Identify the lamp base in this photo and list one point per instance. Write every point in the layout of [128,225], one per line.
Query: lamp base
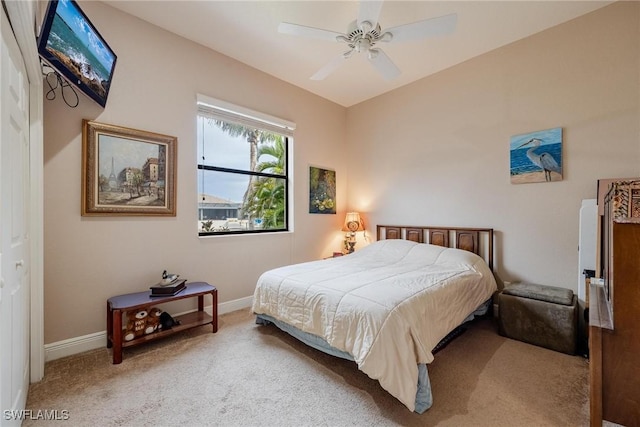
[351,247]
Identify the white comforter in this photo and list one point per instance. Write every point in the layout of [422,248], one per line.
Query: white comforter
[387,305]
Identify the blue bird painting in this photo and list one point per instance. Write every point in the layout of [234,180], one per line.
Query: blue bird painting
[537,157]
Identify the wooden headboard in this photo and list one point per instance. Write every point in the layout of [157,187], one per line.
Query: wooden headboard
[476,240]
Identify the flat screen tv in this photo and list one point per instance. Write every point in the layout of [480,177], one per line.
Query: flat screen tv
[71,44]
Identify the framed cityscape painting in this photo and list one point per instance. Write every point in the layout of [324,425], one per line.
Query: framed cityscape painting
[322,190]
[127,171]
[536,156]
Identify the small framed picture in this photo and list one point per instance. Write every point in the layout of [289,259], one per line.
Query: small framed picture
[322,190]
[127,171]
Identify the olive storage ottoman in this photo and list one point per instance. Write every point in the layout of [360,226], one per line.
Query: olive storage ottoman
[546,316]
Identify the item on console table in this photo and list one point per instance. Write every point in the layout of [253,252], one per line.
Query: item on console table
[168,294]
[167,290]
[168,278]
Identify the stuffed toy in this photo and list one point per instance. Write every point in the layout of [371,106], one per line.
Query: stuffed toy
[153,320]
[167,322]
[136,324]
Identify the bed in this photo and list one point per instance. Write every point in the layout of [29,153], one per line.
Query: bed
[388,305]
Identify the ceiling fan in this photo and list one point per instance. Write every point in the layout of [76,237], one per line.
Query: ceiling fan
[365,32]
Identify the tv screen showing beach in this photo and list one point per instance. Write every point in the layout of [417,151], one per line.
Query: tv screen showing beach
[71,44]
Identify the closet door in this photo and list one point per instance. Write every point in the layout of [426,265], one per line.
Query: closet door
[14,236]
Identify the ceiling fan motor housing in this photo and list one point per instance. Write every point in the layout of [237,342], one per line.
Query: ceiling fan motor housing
[363,37]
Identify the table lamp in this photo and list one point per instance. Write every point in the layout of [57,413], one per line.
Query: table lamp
[352,223]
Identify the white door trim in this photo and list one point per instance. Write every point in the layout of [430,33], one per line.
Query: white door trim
[23,16]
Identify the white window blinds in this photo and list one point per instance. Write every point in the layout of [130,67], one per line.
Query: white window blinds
[226,111]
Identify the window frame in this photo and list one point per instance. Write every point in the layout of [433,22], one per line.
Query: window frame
[208,107]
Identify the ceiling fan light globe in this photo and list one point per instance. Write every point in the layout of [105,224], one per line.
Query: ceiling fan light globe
[386,37]
[362,45]
[366,26]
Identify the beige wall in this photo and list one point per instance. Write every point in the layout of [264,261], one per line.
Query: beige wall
[436,152]
[432,153]
[157,77]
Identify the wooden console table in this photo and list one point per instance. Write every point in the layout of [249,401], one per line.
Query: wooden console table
[118,305]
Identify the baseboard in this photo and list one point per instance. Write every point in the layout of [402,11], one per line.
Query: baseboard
[75,345]
[71,346]
[238,304]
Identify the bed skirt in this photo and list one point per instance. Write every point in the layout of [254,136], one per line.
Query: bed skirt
[424,399]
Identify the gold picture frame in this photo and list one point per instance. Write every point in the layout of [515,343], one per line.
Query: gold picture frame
[127,172]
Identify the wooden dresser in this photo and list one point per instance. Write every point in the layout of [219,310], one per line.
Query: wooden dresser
[614,314]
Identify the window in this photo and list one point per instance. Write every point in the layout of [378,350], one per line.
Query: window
[243,164]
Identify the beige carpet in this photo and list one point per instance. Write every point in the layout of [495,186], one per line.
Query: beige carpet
[250,375]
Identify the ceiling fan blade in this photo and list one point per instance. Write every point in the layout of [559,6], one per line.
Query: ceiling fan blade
[422,29]
[331,66]
[384,64]
[301,30]
[369,10]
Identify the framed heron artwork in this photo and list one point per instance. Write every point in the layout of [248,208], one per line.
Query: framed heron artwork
[536,156]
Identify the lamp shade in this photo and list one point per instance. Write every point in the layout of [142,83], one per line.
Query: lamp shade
[353,222]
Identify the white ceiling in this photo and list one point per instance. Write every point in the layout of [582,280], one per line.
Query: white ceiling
[248,32]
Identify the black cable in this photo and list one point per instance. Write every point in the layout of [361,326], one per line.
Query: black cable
[53,85]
